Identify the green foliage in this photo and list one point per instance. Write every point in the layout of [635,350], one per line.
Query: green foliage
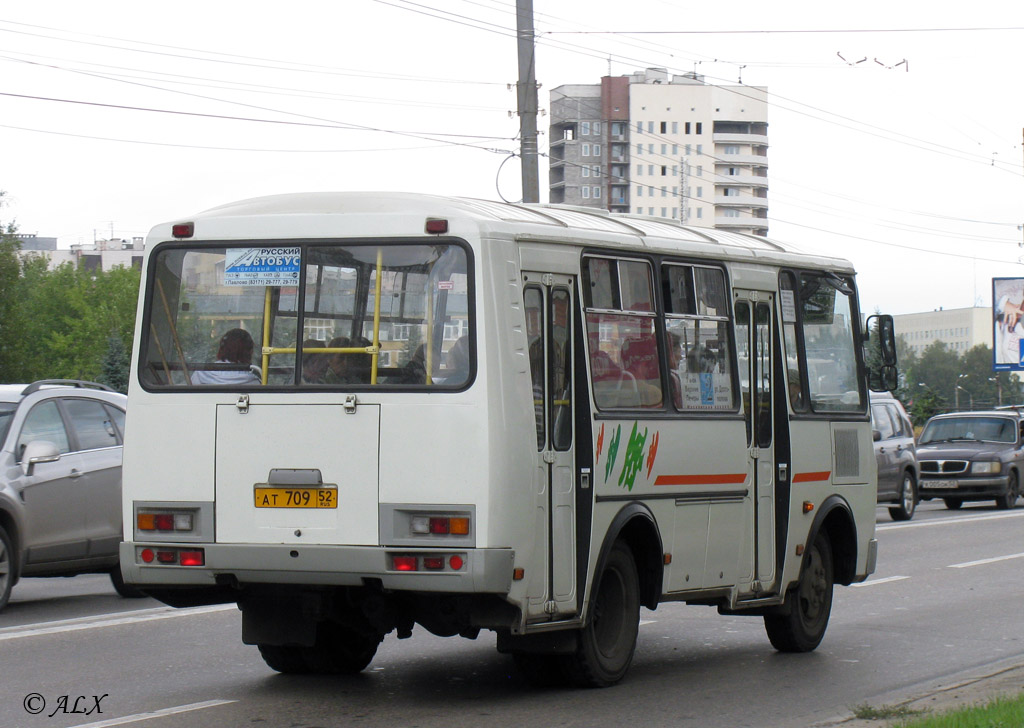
[939,379]
[59,324]
[1004,712]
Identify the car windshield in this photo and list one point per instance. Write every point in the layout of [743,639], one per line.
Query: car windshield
[991,429]
[6,415]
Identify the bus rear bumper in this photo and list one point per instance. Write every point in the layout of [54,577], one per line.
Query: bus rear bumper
[480,571]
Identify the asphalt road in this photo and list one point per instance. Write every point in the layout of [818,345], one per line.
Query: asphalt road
[944,603]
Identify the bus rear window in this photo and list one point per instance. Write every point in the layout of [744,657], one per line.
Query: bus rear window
[304,315]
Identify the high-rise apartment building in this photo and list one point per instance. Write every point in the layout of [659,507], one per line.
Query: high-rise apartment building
[672,147]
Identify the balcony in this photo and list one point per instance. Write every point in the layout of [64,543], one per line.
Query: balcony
[741,201]
[736,138]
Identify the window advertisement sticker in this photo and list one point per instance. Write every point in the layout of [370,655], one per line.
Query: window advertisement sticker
[261,266]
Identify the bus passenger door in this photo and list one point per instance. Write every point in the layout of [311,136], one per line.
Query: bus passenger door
[755,329]
[549,321]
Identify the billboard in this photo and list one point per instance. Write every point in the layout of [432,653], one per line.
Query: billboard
[1007,327]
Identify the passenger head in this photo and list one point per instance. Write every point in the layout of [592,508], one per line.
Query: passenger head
[236,346]
[314,363]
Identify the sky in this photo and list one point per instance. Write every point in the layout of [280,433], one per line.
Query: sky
[895,136]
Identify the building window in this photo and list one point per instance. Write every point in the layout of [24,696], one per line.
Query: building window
[686,128]
[596,170]
[639,148]
[700,212]
[639,170]
[585,150]
[650,211]
[731,192]
[731,149]
[700,171]
[687,150]
[664,192]
[728,212]
[586,192]
[664,148]
[650,149]
[700,192]
[664,127]
[639,190]
[650,127]
[700,149]
[597,127]
[675,149]
[699,125]
[597,150]
[586,171]
[585,128]
[675,170]
[650,169]
[664,170]
[597,193]
[675,128]
[664,212]
[639,127]
[675,191]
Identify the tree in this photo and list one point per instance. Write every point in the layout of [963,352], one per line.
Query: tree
[116,364]
[10,319]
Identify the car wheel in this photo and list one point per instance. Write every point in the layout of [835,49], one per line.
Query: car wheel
[953,504]
[6,567]
[907,503]
[810,603]
[607,642]
[1008,501]
[128,592]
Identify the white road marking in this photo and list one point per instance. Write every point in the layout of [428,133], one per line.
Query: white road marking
[106,620]
[948,521]
[155,714]
[981,562]
[884,580]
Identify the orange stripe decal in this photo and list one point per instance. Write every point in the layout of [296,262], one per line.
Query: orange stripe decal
[709,479]
[812,477]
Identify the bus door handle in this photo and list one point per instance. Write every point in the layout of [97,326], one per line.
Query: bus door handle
[584,478]
[784,472]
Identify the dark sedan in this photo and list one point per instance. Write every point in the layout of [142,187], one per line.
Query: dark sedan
[971,456]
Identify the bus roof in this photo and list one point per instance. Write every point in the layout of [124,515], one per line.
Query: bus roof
[533,221]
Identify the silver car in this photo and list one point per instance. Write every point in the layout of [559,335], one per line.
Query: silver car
[60,481]
[896,455]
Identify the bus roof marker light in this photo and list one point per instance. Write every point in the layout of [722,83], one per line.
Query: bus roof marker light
[183,229]
[436,226]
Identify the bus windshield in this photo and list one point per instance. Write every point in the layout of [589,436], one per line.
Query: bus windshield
[307,315]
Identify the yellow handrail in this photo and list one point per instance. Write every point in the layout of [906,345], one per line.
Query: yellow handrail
[376,318]
[266,337]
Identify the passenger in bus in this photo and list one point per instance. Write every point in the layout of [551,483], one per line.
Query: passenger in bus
[350,368]
[361,363]
[234,361]
[415,370]
[796,394]
[457,360]
[314,363]
[337,366]
[675,361]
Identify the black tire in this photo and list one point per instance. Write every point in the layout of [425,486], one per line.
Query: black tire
[1009,501]
[953,504]
[907,499]
[128,592]
[6,567]
[340,649]
[810,602]
[608,640]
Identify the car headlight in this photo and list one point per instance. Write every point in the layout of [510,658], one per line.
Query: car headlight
[990,468]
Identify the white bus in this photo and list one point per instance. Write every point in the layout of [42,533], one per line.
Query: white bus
[352,413]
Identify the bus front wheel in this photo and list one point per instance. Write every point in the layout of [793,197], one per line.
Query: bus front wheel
[810,603]
[607,642]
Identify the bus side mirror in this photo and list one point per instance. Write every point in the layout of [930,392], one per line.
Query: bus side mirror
[886,331]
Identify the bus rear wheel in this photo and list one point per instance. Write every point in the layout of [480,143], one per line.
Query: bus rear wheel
[340,649]
[607,642]
[810,603]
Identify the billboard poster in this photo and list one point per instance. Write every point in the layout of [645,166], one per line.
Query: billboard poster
[1007,327]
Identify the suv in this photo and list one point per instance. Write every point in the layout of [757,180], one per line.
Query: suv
[972,456]
[60,481]
[895,454]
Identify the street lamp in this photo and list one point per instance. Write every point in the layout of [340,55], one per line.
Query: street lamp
[957,388]
[999,388]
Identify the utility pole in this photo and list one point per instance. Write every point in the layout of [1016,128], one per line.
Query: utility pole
[527,101]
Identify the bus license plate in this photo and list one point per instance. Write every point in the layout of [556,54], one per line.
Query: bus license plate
[296,497]
[939,484]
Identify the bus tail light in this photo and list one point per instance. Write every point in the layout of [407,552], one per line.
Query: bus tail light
[172,556]
[428,562]
[432,525]
[165,521]
[405,563]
